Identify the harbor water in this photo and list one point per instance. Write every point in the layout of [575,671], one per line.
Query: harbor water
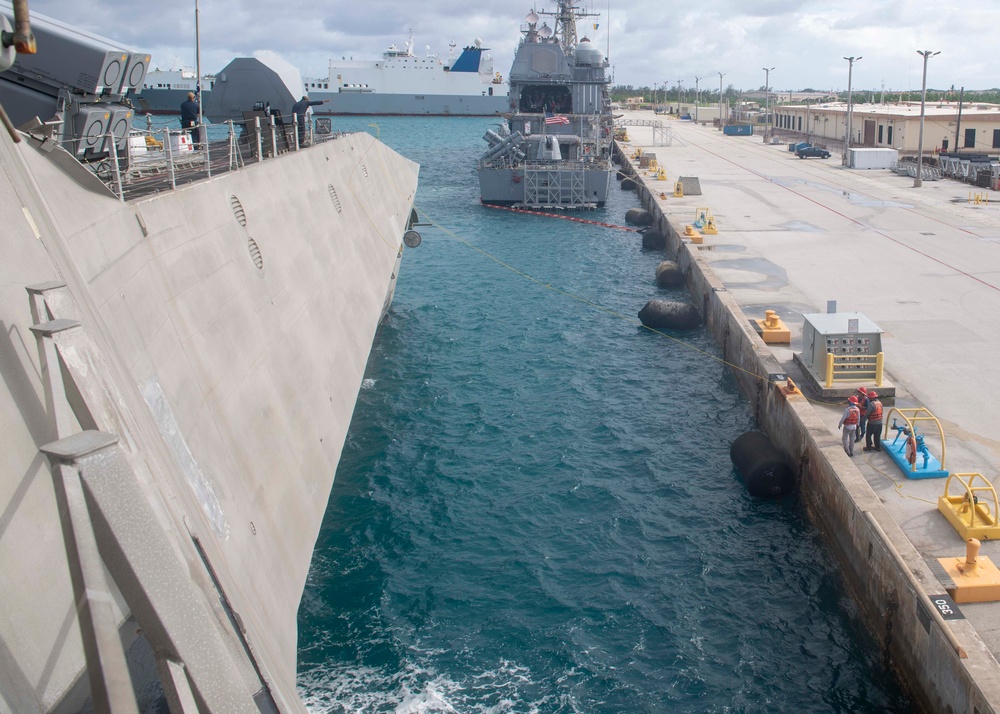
[535,510]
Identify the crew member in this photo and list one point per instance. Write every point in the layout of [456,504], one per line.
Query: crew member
[863,406]
[874,423]
[189,118]
[849,423]
[299,109]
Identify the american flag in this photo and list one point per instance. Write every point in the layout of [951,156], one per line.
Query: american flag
[551,118]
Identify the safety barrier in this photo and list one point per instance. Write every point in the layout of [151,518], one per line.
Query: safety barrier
[854,368]
[154,160]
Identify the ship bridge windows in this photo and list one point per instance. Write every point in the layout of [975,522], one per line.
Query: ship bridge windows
[538,98]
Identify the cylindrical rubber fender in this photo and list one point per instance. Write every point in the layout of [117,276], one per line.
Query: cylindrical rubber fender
[765,472]
[669,314]
[638,217]
[669,275]
[654,240]
[628,184]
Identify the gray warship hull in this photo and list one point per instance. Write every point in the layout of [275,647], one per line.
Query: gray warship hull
[542,187]
[177,377]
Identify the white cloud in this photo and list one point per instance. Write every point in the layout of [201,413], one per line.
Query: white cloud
[652,41]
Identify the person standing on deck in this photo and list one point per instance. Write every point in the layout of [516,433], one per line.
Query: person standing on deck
[189,118]
[299,109]
[874,423]
[849,423]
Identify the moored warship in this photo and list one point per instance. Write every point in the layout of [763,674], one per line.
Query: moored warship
[554,149]
[178,370]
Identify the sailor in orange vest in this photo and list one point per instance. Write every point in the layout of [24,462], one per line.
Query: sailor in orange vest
[863,406]
[874,423]
[849,423]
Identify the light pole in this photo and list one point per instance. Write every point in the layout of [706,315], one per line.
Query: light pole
[850,104]
[697,97]
[767,92]
[918,181]
[679,98]
[721,75]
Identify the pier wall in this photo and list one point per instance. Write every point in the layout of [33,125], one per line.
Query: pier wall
[944,664]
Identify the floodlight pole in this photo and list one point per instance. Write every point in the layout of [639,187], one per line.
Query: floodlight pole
[767,92]
[918,181]
[850,105]
[721,75]
[696,98]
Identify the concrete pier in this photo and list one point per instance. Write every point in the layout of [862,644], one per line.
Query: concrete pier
[923,264]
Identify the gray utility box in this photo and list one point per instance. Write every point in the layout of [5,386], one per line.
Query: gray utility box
[846,335]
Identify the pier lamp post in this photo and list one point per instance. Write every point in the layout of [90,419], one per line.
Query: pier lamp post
[679,98]
[697,97]
[850,104]
[721,75]
[767,94]
[918,181]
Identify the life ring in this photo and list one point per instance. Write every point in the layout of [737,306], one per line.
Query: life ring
[911,450]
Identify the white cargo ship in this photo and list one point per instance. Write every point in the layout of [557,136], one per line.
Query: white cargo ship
[404,83]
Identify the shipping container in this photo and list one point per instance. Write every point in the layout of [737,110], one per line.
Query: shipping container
[871,158]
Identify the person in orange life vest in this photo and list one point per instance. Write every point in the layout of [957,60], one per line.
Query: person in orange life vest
[874,423]
[863,407]
[849,423]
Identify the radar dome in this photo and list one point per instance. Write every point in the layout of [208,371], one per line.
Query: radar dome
[532,18]
[545,31]
[588,54]
[478,42]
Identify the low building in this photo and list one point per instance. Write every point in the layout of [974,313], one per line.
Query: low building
[896,126]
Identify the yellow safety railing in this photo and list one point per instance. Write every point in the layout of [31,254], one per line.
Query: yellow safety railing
[854,368]
[912,416]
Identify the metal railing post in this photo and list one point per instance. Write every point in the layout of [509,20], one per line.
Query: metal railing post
[256,125]
[170,158]
[274,137]
[295,124]
[118,172]
[208,158]
[233,150]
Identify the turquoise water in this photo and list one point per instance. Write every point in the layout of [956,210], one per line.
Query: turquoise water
[535,510]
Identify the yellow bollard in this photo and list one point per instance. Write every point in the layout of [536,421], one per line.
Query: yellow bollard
[661,174]
[678,190]
[773,330]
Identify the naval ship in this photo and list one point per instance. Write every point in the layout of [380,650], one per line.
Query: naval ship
[400,83]
[404,83]
[178,370]
[554,149]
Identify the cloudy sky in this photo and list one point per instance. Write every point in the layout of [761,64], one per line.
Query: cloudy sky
[652,41]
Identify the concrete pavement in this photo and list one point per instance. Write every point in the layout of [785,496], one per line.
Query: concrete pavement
[922,263]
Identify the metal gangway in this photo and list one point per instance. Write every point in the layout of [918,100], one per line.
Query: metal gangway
[662,134]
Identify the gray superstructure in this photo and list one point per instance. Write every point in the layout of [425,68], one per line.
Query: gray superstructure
[177,376]
[554,150]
